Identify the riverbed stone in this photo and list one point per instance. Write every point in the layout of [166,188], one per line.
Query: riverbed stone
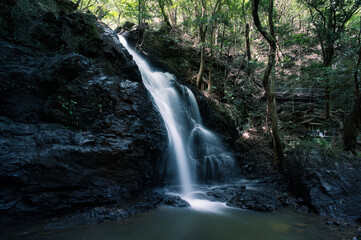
[175,201]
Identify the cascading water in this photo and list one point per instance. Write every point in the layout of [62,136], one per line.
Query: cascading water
[198,152]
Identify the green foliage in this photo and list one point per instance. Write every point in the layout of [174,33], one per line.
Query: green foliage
[301,39]
[68,106]
[322,142]
[228,95]
[330,19]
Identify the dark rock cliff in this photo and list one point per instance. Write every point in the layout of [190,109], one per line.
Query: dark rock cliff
[77,127]
[328,182]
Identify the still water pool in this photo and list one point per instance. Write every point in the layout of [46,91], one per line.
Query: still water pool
[214,222]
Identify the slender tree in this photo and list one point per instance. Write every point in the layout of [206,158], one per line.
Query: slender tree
[201,12]
[248,44]
[357,85]
[141,24]
[267,84]
[161,4]
[214,28]
[352,127]
[353,122]
[358,64]
[202,37]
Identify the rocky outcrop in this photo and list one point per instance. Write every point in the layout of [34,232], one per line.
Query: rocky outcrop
[239,196]
[162,50]
[110,213]
[77,126]
[255,200]
[328,182]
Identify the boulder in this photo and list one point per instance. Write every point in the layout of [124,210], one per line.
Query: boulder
[241,197]
[224,194]
[328,182]
[175,201]
[255,200]
[102,214]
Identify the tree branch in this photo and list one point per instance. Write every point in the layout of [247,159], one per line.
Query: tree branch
[258,24]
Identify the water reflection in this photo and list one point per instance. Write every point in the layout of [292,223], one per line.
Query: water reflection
[167,223]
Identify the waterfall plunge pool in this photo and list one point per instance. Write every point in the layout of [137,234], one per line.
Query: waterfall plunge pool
[168,223]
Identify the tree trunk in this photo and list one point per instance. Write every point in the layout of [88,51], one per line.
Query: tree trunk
[225,84]
[352,127]
[165,16]
[141,27]
[278,149]
[139,12]
[248,50]
[268,86]
[328,51]
[223,32]
[202,36]
[248,45]
[201,66]
[357,86]
[211,60]
[327,63]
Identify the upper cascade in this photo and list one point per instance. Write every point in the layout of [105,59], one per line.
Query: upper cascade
[194,152]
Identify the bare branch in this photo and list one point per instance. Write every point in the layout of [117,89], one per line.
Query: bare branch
[310,4]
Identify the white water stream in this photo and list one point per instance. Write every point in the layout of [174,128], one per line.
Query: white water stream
[198,153]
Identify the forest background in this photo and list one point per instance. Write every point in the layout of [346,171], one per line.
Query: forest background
[286,70]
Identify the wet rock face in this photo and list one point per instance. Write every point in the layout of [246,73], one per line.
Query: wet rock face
[163,51]
[96,215]
[175,201]
[241,197]
[75,130]
[329,184]
[255,200]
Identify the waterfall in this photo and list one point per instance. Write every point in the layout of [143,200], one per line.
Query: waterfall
[198,153]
